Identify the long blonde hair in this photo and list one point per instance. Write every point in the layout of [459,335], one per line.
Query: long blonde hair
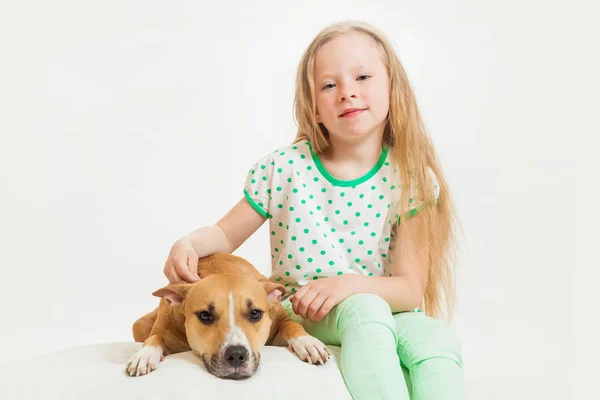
[412,152]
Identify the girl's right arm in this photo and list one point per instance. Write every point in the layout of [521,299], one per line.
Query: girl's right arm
[225,236]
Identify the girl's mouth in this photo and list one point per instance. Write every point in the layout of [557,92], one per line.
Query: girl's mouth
[351,112]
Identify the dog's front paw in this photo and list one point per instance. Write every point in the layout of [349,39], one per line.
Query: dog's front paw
[144,361]
[310,349]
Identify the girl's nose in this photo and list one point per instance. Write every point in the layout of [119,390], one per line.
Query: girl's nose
[347,92]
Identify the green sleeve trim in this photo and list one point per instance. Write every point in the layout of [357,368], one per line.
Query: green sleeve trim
[256,206]
[411,213]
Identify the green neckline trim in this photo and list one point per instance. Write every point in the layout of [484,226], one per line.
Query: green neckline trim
[353,182]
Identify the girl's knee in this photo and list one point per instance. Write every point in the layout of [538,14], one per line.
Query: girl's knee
[425,339]
[365,303]
[365,308]
[445,338]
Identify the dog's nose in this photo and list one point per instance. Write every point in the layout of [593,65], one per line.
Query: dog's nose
[236,355]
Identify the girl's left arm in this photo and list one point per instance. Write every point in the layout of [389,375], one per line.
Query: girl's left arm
[410,265]
[403,291]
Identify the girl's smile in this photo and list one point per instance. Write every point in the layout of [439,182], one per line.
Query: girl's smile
[352,112]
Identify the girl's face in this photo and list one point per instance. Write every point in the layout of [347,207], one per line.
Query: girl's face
[349,74]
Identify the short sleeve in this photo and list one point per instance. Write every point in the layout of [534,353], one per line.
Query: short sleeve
[417,204]
[257,188]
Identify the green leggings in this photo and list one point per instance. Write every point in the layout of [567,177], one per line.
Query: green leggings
[390,356]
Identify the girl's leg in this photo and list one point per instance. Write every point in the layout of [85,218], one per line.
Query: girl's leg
[364,327]
[429,349]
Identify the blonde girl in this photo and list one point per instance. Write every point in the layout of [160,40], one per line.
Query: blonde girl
[360,222]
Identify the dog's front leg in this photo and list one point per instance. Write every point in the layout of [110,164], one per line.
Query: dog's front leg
[148,357]
[307,347]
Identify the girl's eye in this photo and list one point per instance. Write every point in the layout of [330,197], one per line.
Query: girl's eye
[363,77]
[329,86]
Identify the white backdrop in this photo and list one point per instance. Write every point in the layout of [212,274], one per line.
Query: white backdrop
[127,124]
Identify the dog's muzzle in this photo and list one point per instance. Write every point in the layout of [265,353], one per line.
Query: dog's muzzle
[236,363]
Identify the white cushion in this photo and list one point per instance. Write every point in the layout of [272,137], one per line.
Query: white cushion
[98,372]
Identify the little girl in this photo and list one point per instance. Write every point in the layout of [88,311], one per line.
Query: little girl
[360,222]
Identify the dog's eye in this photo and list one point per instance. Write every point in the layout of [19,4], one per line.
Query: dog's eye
[205,317]
[255,315]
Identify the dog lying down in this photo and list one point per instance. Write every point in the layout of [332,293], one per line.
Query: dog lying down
[225,318]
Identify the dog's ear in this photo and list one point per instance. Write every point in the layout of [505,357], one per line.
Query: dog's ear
[175,293]
[274,290]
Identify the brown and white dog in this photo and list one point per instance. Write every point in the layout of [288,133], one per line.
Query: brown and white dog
[225,318]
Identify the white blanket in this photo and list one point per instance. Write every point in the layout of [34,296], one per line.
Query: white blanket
[98,372]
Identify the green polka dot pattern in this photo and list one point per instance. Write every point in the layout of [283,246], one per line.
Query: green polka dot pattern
[320,226]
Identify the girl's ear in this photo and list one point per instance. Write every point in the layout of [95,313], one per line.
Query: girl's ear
[318,117]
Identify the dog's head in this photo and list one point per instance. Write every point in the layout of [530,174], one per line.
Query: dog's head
[227,320]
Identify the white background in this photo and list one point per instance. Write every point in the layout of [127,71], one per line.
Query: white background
[127,124]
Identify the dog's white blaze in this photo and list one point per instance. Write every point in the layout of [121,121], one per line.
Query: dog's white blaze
[236,335]
[231,310]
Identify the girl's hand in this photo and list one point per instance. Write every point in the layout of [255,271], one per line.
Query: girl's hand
[315,299]
[182,263]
